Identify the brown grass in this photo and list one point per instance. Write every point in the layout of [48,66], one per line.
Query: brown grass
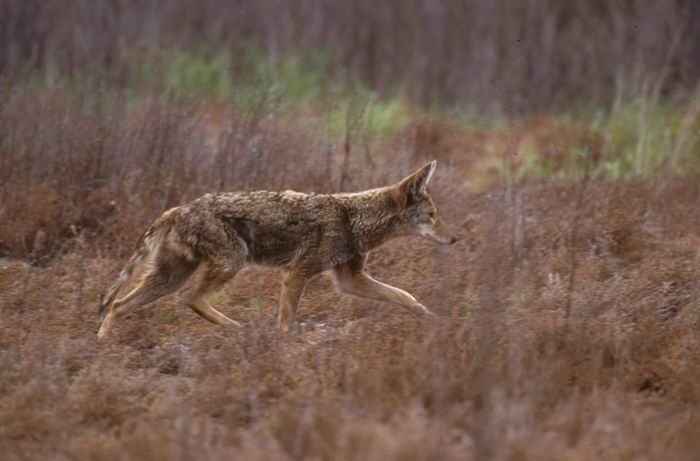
[507,375]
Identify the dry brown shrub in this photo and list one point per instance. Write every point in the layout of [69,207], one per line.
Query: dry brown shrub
[570,315]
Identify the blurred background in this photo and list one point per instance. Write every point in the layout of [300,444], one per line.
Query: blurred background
[498,56]
[567,136]
[535,90]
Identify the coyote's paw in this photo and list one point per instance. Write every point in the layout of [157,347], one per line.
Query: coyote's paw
[428,312]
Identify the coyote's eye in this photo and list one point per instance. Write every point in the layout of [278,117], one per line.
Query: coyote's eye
[431,215]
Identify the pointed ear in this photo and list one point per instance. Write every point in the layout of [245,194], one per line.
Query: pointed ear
[417,183]
[398,198]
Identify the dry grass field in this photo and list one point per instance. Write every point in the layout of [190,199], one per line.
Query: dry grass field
[568,312]
[570,309]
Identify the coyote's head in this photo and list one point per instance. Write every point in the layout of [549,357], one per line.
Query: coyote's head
[417,213]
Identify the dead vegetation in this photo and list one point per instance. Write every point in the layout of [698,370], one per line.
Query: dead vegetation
[570,309]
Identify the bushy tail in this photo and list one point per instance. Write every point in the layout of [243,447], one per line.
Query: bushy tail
[144,248]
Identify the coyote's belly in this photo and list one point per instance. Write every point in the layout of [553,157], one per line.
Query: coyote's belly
[273,243]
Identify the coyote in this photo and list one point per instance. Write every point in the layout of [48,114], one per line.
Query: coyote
[303,234]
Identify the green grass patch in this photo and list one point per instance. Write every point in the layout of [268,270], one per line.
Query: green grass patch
[643,137]
[637,139]
[369,116]
[291,83]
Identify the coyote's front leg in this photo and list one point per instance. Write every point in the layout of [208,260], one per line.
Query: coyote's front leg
[293,285]
[358,283]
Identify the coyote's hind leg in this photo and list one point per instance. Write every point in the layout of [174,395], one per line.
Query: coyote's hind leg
[216,275]
[167,274]
[226,257]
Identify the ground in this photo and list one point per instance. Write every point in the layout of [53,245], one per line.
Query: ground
[569,331]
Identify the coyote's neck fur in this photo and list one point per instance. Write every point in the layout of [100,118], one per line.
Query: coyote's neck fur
[370,224]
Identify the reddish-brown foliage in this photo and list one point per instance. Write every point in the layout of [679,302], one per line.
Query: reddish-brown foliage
[570,311]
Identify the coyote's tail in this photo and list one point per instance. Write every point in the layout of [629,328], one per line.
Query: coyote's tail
[144,248]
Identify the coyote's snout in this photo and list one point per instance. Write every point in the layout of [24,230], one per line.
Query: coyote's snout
[304,234]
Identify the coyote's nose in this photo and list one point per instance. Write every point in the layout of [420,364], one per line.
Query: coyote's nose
[453,239]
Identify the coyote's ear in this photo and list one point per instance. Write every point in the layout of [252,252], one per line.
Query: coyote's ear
[398,198]
[417,183]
